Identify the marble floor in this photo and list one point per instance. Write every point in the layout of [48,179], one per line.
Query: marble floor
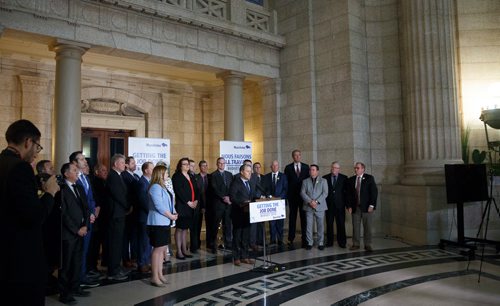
[394,274]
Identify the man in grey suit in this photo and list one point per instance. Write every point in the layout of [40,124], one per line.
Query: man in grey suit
[314,192]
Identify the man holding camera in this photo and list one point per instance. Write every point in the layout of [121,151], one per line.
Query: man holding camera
[23,272]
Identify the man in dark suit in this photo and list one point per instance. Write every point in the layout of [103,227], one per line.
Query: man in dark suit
[221,180]
[336,202]
[276,185]
[257,229]
[295,173]
[118,208]
[361,202]
[131,180]
[75,219]
[23,273]
[143,247]
[241,192]
[78,159]
[203,181]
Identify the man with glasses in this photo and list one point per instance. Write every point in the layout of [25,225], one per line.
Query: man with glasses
[361,202]
[23,274]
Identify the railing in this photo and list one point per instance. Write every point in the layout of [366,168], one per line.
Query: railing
[237,11]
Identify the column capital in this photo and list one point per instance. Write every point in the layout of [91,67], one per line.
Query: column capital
[68,48]
[229,74]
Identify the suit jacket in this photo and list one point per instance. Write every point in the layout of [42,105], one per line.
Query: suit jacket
[294,182]
[89,194]
[368,193]
[117,195]
[160,201]
[22,214]
[182,191]
[142,193]
[74,212]
[205,190]
[318,192]
[132,183]
[240,198]
[336,194]
[281,187]
[220,189]
[100,193]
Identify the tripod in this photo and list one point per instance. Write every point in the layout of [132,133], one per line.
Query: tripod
[486,217]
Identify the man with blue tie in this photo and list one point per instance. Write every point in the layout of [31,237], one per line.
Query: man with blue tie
[276,185]
[78,159]
[242,191]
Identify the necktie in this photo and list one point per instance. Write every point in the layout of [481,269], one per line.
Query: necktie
[273,189]
[223,178]
[334,180]
[248,186]
[85,183]
[136,177]
[274,179]
[358,189]
[76,192]
[297,170]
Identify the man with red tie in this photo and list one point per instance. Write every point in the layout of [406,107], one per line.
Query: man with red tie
[361,202]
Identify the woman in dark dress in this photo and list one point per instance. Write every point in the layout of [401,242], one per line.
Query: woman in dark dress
[186,200]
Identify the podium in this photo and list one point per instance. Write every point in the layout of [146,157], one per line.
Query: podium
[262,210]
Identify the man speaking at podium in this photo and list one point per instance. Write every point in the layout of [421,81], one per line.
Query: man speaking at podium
[241,193]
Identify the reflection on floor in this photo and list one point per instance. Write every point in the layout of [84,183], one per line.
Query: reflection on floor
[394,274]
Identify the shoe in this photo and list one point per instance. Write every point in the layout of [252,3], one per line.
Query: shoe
[165,281]
[280,242]
[213,251]
[321,247]
[166,262]
[160,285]
[290,245]
[81,293]
[118,277]
[342,246]
[254,247]
[180,257]
[354,247]
[248,261]
[237,262]
[94,273]
[188,255]
[89,284]
[221,247]
[368,248]
[145,269]
[308,247]
[68,300]
[329,244]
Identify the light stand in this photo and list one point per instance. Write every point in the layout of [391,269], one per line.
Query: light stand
[491,118]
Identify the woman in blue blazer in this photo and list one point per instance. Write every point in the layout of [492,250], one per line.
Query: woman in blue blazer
[161,214]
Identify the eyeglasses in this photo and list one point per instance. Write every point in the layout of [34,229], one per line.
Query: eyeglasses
[38,146]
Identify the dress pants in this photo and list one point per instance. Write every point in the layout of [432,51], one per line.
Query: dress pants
[94,247]
[223,213]
[256,233]
[241,237]
[195,230]
[85,252]
[144,247]
[337,215]
[367,218]
[295,205]
[116,228]
[319,216]
[130,238]
[210,228]
[69,274]
[276,229]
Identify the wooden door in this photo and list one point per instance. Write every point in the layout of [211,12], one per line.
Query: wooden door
[99,145]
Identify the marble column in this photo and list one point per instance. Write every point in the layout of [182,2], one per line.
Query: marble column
[67,96]
[233,105]
[432,134]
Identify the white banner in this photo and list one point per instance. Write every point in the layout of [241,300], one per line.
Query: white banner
[267,210]
[235,152]
[149,149]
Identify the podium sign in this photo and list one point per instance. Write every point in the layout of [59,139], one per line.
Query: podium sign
[267,210]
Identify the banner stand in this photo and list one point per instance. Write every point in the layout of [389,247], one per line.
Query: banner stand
[255,217]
